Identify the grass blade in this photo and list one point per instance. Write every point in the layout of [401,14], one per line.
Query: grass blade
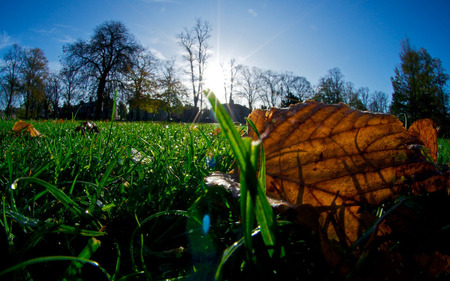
[109,169]
[229,130]
[229,252]
[57,193]
[91,247]
[253,198]
[51,259]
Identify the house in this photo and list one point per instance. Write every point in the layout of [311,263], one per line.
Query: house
[86,110]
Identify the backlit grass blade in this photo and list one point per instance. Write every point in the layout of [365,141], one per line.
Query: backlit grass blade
[57,193]
[113,114]
[253,199]
[264,213]
[247,200]
[229,252]
[263,206]
[146,220]
[205,137]
[241,150]
[75,266]
[109,169]
[228,129]
[76,230]
[52,259]
[119,254]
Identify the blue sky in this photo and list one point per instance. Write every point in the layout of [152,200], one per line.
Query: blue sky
[305,37]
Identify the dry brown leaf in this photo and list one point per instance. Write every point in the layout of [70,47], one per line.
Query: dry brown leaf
[336,159]
[21,127]
[435,263]
[424,130]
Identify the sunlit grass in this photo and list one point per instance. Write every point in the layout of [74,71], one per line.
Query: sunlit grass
[68,187]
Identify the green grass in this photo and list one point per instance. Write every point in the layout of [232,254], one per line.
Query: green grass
[135,187]
[443,157]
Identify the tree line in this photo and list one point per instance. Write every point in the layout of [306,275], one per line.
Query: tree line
[112,59]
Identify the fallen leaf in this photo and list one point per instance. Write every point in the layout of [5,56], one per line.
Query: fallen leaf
[436,263]
[216,132]
[424,130]
[228,181]
[24,128]
[87,127]
[338,159]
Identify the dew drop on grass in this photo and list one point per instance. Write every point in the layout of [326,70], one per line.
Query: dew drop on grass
[14,185]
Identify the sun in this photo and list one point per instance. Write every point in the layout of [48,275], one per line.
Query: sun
[214,80]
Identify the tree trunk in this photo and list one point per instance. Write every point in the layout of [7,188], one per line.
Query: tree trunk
[195,101]
[100,98]
[193,83]
[27,105]
[8,105]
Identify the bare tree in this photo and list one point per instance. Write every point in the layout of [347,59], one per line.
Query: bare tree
[351,97]
[10,76]
[194,42]
[53,92]
[249,83]
[298,86]
[187,42]
[364,95]
[378,102]
[108,53]
[229,85]
[73,85]
[271,88]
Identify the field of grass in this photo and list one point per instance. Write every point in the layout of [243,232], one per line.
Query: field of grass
[130,203]
[131,183]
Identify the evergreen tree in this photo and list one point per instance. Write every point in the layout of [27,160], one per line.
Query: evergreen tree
[289,99]
[420,87]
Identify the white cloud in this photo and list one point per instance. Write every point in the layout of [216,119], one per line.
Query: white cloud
[66,39]
[159,1]
[46,32]
[5,40]
[65,26]
[157,54]
[252,12]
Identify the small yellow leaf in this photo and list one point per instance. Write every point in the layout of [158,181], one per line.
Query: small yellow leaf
[21,127]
